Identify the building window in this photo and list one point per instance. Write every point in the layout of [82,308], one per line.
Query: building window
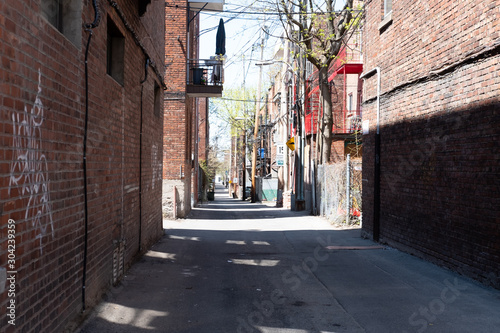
[157,100]
[387,7]
[386,17]
[349,102]
[115,52]
[66,17]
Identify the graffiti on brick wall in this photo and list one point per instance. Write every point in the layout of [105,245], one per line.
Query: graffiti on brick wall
[29,169]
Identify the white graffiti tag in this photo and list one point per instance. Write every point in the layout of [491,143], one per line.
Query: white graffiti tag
[29,170]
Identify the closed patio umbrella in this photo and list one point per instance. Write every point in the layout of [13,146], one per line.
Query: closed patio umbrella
[220,40]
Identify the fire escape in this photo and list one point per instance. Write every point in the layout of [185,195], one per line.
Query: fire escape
[346,88]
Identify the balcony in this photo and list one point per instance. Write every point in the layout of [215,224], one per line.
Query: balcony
[344,74]
[213,5]
[205,78]
[347,122]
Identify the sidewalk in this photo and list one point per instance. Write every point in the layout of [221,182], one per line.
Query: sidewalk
[234,266]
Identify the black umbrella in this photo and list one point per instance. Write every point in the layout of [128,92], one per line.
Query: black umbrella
[220,40]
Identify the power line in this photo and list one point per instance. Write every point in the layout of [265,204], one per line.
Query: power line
[226,11]
[241,100]
[263,12]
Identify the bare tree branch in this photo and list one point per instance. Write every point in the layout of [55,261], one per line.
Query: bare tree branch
[321,32]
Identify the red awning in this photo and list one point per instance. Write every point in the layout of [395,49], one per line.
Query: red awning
[350,69]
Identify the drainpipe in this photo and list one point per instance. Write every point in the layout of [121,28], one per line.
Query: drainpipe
[376,184]
[140,153]
[88,28]
[196,150]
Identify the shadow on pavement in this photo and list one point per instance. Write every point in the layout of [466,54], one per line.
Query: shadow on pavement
[234,266]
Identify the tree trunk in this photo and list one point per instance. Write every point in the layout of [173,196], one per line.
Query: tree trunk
[326,124]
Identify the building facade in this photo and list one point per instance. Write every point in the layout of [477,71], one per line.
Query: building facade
[81,124]
[430,161]
[190,82]
[180,110]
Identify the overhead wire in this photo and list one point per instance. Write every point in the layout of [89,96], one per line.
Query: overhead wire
[263,11]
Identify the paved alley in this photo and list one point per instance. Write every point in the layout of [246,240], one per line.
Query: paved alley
[235,266]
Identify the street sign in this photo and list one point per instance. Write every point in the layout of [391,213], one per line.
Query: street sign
[291,143]
[280,154]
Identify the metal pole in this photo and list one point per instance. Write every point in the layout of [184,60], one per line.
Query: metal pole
[303,133]
[229,177]
[243,196]
[256,129]
[348,188]
[284,111]
[376,176]
[244,180]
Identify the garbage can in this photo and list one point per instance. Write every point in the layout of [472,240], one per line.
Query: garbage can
[197,75]
[211,192]
[210,196]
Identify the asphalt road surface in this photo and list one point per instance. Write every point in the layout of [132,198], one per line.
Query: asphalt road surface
[239,267]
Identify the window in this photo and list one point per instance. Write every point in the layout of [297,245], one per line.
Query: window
[115,52]
[387,7]
[66,17]
[157,100]
[349,102]
[386,17]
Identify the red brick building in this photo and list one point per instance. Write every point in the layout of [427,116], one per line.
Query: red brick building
[346,91]
[80,165]
[346,88]
[186,106]
[435,191]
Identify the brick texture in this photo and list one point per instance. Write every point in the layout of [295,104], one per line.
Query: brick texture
[42,112]
[439,131]
[180,109]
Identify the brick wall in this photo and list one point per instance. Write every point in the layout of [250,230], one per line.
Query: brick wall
[201,133]
[180,111]
[439,132]
[42,112]
[203,129]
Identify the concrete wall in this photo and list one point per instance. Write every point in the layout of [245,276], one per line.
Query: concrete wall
[42,117]
[181,200]
[439,132]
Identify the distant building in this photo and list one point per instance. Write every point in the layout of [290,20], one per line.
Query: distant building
[293,110]
[346,90]
[76,232]
[431,175]
[190,81]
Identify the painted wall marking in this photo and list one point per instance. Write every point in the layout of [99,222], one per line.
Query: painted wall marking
[29,168]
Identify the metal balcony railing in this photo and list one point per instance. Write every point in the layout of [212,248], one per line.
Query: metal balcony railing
[349,122]
[206,72]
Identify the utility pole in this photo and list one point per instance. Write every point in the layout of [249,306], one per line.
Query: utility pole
[256,129]
[244,180]
[299,180]
[284,111]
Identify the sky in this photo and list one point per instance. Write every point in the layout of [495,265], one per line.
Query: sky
[243,34]
[242,37]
